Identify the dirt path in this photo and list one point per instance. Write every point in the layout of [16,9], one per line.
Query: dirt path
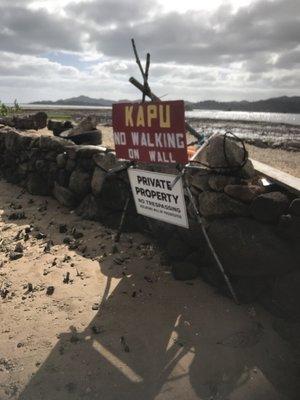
[122,328]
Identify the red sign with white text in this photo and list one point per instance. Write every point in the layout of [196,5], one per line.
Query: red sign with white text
[151,132]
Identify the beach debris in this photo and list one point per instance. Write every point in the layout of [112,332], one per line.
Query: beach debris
[124,344]
[13,255]
[66,278]
[17,215]
[48,246]
[62,228]
[49,290]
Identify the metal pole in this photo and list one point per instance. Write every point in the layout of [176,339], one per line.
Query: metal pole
[219,264]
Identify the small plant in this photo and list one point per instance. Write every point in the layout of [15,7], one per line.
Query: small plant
[6,111]
[3,110]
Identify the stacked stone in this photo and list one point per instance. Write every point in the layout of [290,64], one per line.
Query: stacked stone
[255,232]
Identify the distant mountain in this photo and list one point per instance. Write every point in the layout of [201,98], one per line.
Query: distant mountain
[77,101]
[282,104]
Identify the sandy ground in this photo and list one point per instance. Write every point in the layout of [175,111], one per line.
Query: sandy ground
[287,161]
[122,328]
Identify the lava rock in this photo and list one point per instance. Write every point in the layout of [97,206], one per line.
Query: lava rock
[249,248]
[212,204]
[176,249]
[61,160]
[50,290]
[80,183]
[268,207]
[244,193]
[62,228]
[97,181]
[37,184]
[294,208]
[218,182]
[64,196]
[200,181]
[184,271]
[223,154]
[105,161]
[13,255]
[88,208]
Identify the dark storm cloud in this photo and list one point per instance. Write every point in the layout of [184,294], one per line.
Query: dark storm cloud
[27,31]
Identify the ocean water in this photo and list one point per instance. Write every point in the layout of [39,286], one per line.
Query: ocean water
[293,119]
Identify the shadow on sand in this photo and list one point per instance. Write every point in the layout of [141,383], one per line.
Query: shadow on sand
[163,339]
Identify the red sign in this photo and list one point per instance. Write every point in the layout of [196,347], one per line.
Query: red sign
[151,132]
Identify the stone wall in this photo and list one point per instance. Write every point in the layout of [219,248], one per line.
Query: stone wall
[255,231]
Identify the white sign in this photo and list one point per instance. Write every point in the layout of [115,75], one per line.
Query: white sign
[155,198]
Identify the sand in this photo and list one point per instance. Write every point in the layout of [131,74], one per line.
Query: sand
[122,328]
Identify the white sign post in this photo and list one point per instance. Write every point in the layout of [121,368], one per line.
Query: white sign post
[155,198]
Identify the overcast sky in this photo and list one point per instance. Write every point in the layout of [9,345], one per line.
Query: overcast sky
[210,49]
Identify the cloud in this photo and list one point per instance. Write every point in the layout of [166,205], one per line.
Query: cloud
[27,31]
[83,46]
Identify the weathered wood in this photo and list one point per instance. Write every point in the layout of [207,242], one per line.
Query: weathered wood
[153,97]
[290,182]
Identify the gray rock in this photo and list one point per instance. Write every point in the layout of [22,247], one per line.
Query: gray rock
[53,143]
[64,196]
[295,207]
[70,165]
[61,160]
[286,296]
[248,248]
[218,182]
[88,208]
[176,249]
[57,127]
[268,207]
[213,154]
[212,204]
[105,160]
[184,271]
[245,193]
[200,181]
[37,184]
[97,181]
[80,183]
[289,227]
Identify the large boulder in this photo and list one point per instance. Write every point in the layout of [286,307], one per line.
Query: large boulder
[212,204]
[284,297]
[80,183]
[57,127]
[88,208]
[105,161]
[218,182]
[225,154]
[184,271]
[295,207]
[244,193]
[35,121]
[64,196]
[269,206]
[289,227]
[200,181]
[249,248]
[37,184]
[97,181]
